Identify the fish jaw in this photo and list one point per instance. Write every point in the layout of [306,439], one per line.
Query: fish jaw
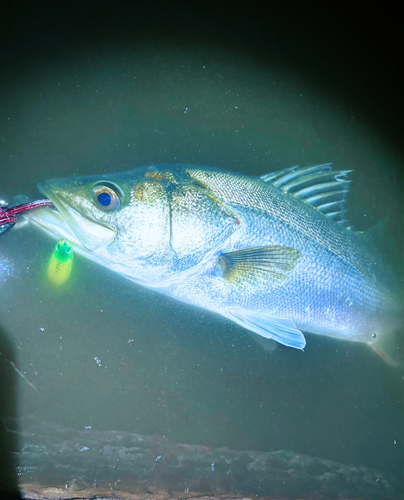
[66,222]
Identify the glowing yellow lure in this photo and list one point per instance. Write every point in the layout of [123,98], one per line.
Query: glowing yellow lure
[60,263]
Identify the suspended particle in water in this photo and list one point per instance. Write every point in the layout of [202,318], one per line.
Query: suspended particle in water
[6,268]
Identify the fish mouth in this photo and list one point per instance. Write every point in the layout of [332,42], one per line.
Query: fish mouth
[63,221]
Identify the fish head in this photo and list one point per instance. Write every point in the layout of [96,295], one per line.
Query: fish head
[152,225]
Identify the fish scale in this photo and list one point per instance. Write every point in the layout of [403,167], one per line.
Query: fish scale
[271,254]
[252,193]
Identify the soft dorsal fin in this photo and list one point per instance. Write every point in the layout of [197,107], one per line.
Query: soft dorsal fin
[319,186]
[382,238]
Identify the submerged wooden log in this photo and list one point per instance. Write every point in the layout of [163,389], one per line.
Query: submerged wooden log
[82,464]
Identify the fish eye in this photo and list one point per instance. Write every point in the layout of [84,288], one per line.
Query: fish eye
[106,197]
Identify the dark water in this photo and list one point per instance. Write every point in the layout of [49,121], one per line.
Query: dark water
[105,363]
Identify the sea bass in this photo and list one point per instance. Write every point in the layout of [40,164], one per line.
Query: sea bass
[272,253]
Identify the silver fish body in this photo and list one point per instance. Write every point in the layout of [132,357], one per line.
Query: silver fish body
[272,254]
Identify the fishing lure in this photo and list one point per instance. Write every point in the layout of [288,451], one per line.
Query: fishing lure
[60,263]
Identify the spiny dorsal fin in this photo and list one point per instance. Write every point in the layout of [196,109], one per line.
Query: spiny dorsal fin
[319,186]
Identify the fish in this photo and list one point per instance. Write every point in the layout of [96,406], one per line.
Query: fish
[60,263]
[273,254]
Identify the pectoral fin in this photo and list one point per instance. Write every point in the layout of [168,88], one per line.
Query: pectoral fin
[282,330]
[258,266]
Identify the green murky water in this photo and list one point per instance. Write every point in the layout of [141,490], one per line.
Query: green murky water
[103,354]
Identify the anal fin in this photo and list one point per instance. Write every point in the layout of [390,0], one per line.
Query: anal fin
[390,349]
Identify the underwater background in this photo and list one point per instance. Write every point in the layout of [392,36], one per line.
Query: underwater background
[108,386]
